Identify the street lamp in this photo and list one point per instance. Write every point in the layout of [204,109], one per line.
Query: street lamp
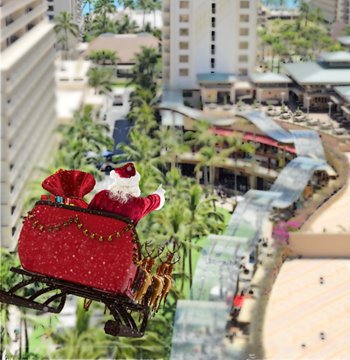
[308,104]
[282,96]
[330,108]
[258,95]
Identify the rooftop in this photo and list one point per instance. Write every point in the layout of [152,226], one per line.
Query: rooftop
[307,314]
[314,74]
[335,56]
[344,40]
[216,78]
[344,92]
[72,69]
[269,77]
[125,45]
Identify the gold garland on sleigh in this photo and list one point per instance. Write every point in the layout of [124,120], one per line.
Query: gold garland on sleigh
[75,220]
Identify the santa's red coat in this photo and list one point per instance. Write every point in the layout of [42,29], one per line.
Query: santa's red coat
[134,209]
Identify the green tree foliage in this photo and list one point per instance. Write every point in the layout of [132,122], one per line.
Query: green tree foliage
[102,8]
[101,79]
[104,57]
[126,25]
[64,27]
[346,30]
[146,70]
[83,135]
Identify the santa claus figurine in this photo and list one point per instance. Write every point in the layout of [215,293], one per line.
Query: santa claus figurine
[123,196]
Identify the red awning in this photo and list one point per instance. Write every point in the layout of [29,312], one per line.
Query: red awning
[255,138]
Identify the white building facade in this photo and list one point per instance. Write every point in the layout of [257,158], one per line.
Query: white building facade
[334,10]
[27,104]
[73,7]
[207,37]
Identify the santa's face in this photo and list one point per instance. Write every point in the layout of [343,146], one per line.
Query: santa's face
[124,192]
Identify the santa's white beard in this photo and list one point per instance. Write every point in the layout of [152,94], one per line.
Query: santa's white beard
[124,193]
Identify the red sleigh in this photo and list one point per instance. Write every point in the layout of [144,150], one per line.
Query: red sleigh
[87,253]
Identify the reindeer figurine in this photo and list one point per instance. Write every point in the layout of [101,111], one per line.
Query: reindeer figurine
[146,265]
[166,269]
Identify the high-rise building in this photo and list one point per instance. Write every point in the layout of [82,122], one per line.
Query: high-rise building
[334,10]
[73,7]
[204,37]
[27,104]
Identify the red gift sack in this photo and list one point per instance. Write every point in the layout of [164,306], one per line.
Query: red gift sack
[83,246]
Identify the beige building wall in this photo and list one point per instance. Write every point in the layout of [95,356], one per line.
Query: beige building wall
[207,36]
[27,104]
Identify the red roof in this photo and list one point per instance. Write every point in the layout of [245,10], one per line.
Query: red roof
[256,138]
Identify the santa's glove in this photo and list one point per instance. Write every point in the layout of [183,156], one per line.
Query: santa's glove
[160,192]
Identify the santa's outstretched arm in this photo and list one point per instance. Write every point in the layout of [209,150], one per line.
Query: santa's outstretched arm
[160,192]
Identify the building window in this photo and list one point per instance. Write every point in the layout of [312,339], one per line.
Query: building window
[187,93]
[51,17]
[184,4]
[212,22]
[243,58]
[243,45]
[50,8]
[183,72]
[183,58]
[8,20]
[13,230]
[244,18]
[212,63]
[213,8]
[183,32]
[243,71]
[213,36]
[244,31]
[183,45]
[244,4]
[213,49]
[13,208]
[184,18]
[12,187]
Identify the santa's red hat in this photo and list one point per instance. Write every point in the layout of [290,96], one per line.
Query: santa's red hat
[126,175]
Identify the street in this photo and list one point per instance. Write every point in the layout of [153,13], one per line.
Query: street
[116,117]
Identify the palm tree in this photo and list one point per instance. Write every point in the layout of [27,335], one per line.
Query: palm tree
[101,79]
[172,145]
[346,30]
[127,4]
[202,221]
[102,8]
[64,27]
[104,57]
[126,26]
[145,71]
[140,96]
[305,10]
[144,118]
[199,138]
[79,137]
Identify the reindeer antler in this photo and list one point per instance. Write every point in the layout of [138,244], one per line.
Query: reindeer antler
[149,253]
